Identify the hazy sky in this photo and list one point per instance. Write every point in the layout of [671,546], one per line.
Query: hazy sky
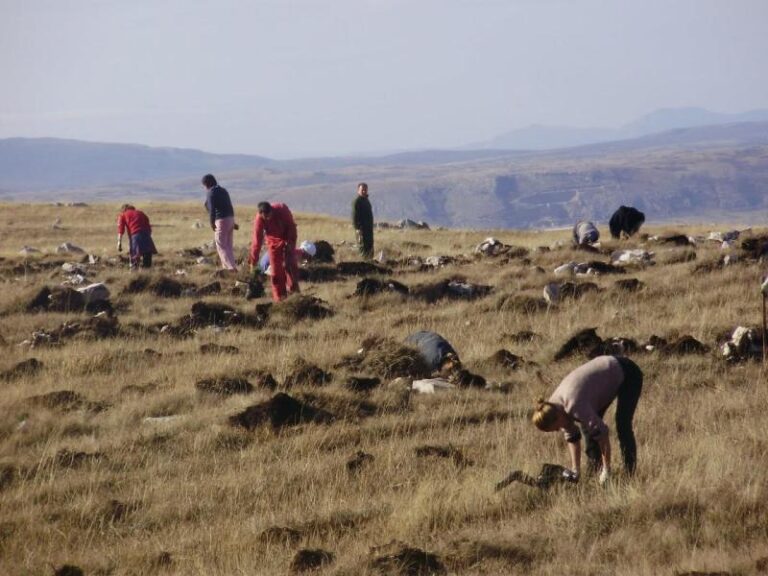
[285,78]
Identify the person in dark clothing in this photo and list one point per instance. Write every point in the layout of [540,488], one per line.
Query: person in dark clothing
[626,220]
[585,233]
[582,397]
[136,223]
[362,220]
[436,350]
[222,218]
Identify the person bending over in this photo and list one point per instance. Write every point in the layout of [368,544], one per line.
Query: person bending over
[582,398]
[136,223]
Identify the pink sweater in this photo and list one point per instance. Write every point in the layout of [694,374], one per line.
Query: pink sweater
[586,392]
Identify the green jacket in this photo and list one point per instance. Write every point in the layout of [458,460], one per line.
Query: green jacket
[362,214]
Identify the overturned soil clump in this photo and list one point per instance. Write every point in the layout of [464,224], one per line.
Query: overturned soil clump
[361,383]
[549,476]
[279,535]
[387,359]
[64,400]
[280,411]
[629,285]
[27,367]
[467,553]
[224,386]
[310,559]
[580,343]
[213,348]
[358,461]
[443,452]
[307,374]
[371,286]
[399,559]
[504,359]
[300,307]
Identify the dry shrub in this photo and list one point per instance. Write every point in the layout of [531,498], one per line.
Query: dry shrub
[387,359]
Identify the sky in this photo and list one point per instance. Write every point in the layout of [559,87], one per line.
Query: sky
[293,78]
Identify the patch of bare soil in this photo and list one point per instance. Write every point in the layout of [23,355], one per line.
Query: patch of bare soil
[308,559]
[279,411]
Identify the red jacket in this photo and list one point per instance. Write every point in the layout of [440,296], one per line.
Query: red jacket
[135,221]
[279,230]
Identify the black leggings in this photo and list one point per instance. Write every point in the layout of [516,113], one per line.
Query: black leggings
[626,403]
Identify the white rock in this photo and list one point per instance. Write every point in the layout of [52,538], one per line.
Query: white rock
[27,250]
[95,292]
[69,248]
[552,293]
[71,267]
[432,385]
[565,269]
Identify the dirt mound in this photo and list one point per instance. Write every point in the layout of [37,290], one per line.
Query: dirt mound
[361,269]
[388,359]
[467,553]
[549,476]
[205,314]
[685,345]
[261,379]
[279,535]
[576,290]
[522,337]
[371,286]
[68,570]
[310,559]
[28,367]
[675,239]
[443,452]
[504,359]
[213,348]
[280,411]
[755,247]
[456,288]
[463,378]
[66,300]
[604,268]
[521,303]
[324,252]
[69,459]
[64,400]
[629,285]
[162,287]
[299,307]
[224,386]
[361,383]
[356,462]
[305,373]
[581,342]
[399,559]
[318,273]
[97,327]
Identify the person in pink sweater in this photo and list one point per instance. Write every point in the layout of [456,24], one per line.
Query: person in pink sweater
[582,398]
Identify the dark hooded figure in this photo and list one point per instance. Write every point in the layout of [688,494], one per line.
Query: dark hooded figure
[627,220]
[362,220]
[436,350]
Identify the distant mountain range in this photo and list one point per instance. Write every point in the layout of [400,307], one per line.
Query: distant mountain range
[703,171]
[538,137]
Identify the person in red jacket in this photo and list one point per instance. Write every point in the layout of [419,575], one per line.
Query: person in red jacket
[139,235]
[275,223]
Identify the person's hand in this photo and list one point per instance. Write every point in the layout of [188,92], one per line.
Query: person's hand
[237,226]
[571,476]
[119,246]
[605,476]
[213,227]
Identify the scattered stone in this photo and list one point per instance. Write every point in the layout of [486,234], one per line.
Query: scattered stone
[224,386]
[28,251]
[356,462]
[212,348]
[310,559]
[432,385]
[280,411]
[408,224]
[398,559]
[306,374]
[69,248]
[744,343]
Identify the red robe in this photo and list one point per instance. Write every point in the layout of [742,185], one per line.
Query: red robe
[280,234]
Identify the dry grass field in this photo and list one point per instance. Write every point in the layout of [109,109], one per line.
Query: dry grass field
[139,472]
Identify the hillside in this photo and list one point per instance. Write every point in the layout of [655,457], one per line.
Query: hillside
[706,172]
[148,439]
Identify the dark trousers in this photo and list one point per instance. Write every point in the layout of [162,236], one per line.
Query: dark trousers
[365,239]
[626,403]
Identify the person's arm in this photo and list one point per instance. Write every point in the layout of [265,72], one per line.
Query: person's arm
[356,213]
[256,240]
[574,449]
[605,450]
[211,208]
[120,232]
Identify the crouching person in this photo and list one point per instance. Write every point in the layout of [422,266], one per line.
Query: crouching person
[139,236]
[582,397]
[585,233]
[442,359]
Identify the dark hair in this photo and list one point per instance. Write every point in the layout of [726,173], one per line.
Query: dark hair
[125,207]
[364,186]
[209,181]
[264,207]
